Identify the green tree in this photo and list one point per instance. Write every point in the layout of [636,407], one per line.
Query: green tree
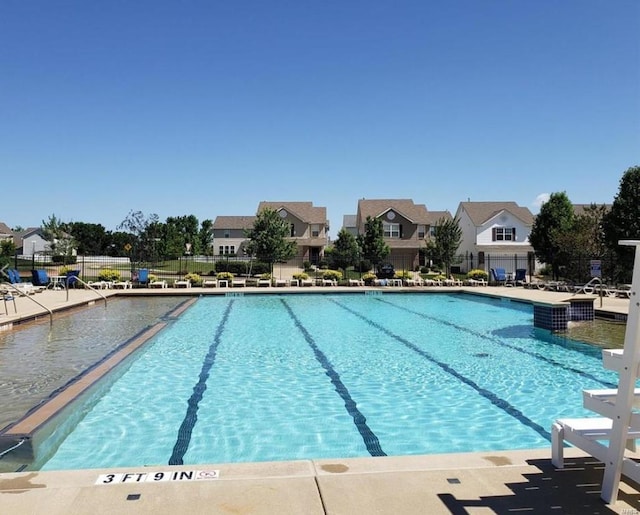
[622,222]
[584,242]
[7,252]
[345,251]
[554,220]
[268,239]
[182,235]
[142,230]
[60,241]
[91,238]
[371,243]
[205,237]
[443,247]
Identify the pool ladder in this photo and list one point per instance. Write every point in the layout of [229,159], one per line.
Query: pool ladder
[234,294]
[373,293]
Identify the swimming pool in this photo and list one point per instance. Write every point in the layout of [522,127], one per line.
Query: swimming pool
[278,377]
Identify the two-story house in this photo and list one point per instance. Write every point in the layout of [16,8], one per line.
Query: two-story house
[308,227]
[229,234]
[495,234]
[405,224]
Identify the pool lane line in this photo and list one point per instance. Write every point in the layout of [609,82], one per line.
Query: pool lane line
[368,436]
[498,341]
[191,416]
[494,399]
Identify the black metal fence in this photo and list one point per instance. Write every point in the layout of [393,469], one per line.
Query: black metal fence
[90,267]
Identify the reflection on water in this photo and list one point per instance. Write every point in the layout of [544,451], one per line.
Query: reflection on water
[603,333]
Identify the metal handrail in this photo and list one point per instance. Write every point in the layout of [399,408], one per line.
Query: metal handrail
[26,294]
[87,285]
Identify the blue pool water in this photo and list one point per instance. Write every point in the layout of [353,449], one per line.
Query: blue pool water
[259,378]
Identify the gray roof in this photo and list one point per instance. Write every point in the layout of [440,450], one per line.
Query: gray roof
[349,221]
[234,222]
[579,209]
[482,212]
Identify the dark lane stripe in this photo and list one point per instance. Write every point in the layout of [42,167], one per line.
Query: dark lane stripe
[503,343]
[370,439]
[190,418]
[487,394]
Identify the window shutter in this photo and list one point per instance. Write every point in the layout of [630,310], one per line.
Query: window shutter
[401,230]
[513,233]
[493,234]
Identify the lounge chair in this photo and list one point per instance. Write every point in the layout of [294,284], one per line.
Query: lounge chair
[158,283]
[329,282]
[520,276]
[209,283]
[356,282]
[306,282]
[452,281]
[432,282]
[182,283]
[122,285]
[40,278]
[280,282]
[238,283]
[475,282]
[264,282]
[499,276]
[72,278]
[141,277]
[24,287]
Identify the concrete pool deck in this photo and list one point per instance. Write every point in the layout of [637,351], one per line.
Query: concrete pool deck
[487,482]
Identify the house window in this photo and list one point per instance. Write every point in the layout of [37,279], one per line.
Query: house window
[227,233]
[421,232]
[504,234]
[432,231]
[391,230]
[226,249]
[315,230]
[293,230]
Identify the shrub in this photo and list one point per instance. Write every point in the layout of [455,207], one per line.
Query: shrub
[195,279]
[107,274]
[153,277]
[225,276]
[301,275]
[306,265]
[369,278]
[265,276]
[403,274]
[477,274]
[332,275]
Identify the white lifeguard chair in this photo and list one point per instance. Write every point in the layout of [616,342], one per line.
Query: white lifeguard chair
[609,437]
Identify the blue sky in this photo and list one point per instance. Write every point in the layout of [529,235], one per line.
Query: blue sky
[206,107]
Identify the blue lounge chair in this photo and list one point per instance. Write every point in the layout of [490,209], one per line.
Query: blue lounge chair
[25,288]
[499,275]
[72,278]
[141,277]
[40,278]
[520,277]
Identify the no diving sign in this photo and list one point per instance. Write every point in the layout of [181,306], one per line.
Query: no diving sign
[157,476]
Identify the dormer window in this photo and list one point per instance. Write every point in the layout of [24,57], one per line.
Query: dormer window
[315,230]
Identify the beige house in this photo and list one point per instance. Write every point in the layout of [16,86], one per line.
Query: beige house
[308,227]
[406,227]
[229,236]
